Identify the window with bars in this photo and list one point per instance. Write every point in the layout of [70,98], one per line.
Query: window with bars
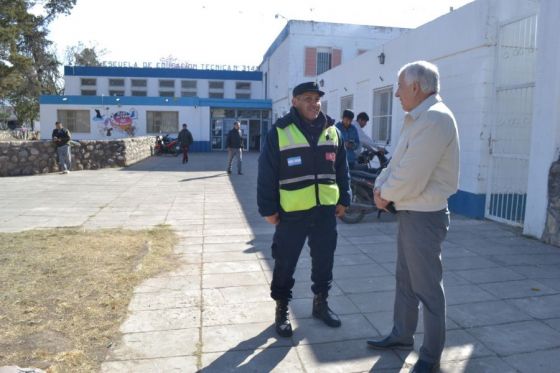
[138,83]
[382,114]
[319,60]
[167,88]
[167,84]
[89,92]
[346,103]
[243,86]
[162,121]
[188,88]
[323,60]
[88,81]
[77,121]
[216,89]
[243,90]
[215,85]
[116,82]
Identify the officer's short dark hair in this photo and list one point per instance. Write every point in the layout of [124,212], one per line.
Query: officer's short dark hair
[363,116]
[348,114]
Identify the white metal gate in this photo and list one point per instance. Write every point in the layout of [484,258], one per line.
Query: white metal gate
[511,131]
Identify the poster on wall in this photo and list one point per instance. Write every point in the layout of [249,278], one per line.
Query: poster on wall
[115,123]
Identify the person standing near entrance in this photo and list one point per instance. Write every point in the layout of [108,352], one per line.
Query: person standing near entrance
[234,145]
[302,186]
[349,136]
[422,174]
[185,139]
[61,137]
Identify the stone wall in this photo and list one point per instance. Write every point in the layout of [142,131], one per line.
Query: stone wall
[39,157]
[5,135]
[551,233]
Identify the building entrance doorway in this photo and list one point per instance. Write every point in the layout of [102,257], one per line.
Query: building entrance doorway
[254,139]
[252,124]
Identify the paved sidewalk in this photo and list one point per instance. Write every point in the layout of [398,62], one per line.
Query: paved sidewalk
[214,312]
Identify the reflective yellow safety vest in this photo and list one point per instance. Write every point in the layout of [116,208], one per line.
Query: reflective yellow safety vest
[307,173]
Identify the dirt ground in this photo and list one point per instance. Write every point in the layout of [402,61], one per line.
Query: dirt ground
[65,292]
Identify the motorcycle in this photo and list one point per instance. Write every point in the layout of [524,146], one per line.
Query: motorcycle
[362,182]
[167,145]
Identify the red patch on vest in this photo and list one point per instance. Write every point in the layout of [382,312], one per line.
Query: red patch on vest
[330,156]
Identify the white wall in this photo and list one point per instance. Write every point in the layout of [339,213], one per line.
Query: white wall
[278,68]
[197,118]
[285,67]
[72,86]
[545,137]
[198,121]
[463,45]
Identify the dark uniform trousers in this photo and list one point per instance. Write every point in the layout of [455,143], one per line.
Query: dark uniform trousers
[318,225]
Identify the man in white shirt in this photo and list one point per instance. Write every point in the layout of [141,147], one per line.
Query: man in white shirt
[422,174]
[361,121]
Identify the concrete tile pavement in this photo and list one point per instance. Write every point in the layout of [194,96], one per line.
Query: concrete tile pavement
[213,312]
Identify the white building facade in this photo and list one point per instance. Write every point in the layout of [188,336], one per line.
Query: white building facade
[500,76]
[116,102]
[305,49]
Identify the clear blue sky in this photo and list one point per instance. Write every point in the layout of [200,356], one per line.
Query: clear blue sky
[218,31]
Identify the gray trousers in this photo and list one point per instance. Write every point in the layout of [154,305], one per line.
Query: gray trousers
[419,279]
[64,157]
[232,153]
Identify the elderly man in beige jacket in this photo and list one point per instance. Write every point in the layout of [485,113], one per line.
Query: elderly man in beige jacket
[422,174]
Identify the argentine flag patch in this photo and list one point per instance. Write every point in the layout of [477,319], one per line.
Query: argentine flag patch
[294,161]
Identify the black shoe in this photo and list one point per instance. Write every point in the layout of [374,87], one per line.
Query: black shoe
[282,322]
[389,343]
[322,311]
[422,366]
[240,173]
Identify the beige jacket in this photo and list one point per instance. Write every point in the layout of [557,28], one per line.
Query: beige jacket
[424,170]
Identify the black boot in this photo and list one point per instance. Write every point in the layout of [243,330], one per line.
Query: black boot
[283,326]
[322,311]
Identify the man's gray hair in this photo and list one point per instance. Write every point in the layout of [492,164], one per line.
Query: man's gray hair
[423,72]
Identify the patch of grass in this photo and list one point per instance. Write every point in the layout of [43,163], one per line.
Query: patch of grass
[65,292]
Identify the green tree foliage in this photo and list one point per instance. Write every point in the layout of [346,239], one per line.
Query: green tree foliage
[83,55]
[28,64]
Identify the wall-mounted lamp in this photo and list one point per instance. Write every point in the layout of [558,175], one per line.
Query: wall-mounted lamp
[65,99]
[278,15]
[381,58]
[166,100]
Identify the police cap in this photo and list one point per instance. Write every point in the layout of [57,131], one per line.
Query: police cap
[307,87]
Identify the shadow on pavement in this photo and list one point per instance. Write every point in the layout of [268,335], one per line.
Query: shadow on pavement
[495,315]
[203,162]
[249,356]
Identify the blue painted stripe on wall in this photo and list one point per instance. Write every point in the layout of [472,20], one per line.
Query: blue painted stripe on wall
[151,72]
[468,204]
[155,101]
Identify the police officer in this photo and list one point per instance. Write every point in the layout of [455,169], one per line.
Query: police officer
[303,185]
